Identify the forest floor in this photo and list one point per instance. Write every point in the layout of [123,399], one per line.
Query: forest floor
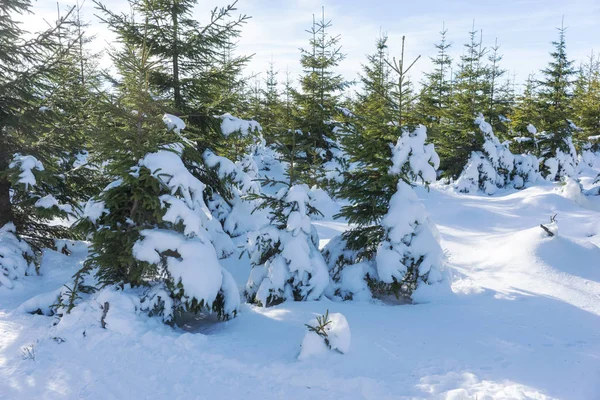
[522,322]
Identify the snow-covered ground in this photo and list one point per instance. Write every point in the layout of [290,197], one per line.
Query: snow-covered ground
[523,322]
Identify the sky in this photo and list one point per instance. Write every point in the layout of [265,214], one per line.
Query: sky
[277,29]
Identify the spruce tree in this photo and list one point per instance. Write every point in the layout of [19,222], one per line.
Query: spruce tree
[556,111]
[74,91]
[288,143]
[469,97]
[499,93]
[370,130]
[33,188]
[285,256]
[524,119]
[586,101]
[434,98]
[197,72]
[151,225]
[271,116]
[318,99]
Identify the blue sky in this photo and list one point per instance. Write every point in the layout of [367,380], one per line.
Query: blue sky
[524,28]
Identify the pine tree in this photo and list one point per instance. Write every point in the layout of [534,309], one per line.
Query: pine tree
[318,99]
[434,98]
[33,190]
[586,101]
[470,94]
[404,251]
[370,130]
[556,112]
[524,119]
[271,106]
[198,72]
[499,93]
[402,94]
[151,224]
[285,256]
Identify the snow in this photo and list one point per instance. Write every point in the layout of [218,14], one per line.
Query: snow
[231,124]
[312,345]
[50,201]
[26,164]
[174,123]
[520,322]
[413,156]
[186,202]
[200,280]
[94,209]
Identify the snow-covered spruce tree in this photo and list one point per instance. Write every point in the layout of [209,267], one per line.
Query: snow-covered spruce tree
[285,256]
[150,227]
[401,249]
[494,166]
[556,150]
[234,211]
[369,186]
[488,169]
[381,108]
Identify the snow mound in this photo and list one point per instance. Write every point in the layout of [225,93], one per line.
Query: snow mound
[42,303]
[110,309]
[573,256]
[335,336]
[573,189]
